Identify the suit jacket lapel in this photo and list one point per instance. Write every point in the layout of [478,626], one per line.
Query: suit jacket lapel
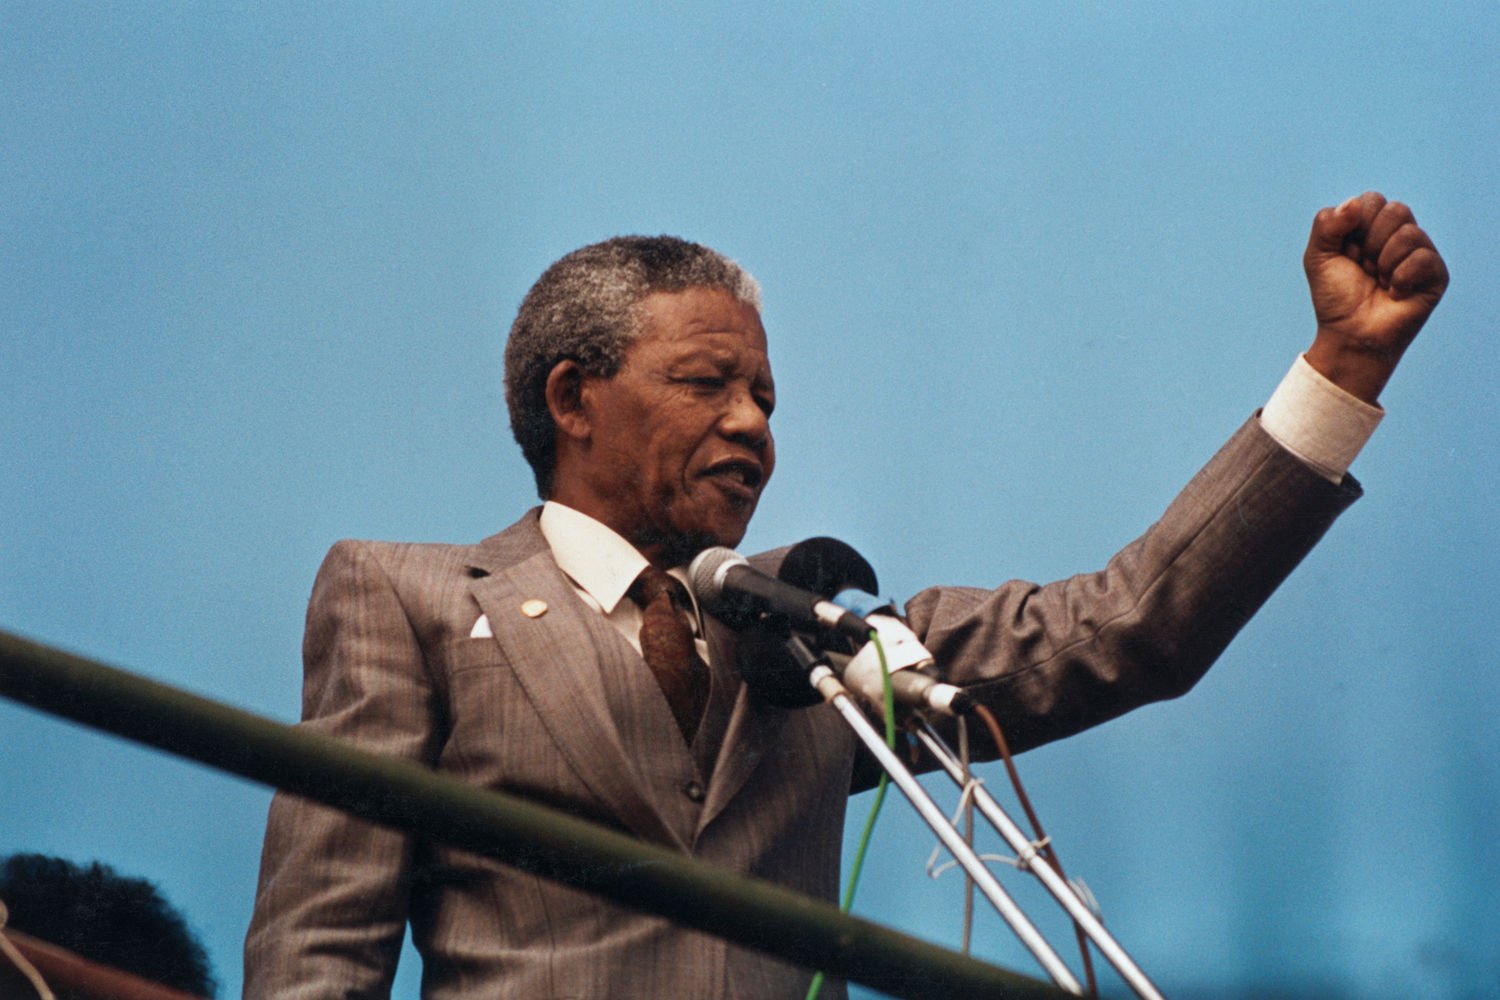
[558,657]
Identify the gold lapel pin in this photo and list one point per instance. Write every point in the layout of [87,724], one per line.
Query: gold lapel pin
[533,608]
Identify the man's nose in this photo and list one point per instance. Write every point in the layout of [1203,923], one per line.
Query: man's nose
[745,421]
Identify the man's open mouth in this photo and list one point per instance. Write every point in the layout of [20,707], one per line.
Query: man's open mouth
[742,472]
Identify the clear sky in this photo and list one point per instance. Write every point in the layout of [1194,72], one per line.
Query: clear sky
[1025,267]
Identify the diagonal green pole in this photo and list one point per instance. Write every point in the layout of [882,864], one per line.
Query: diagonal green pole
[403,794]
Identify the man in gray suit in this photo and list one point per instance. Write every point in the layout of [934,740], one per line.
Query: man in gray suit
[640,390]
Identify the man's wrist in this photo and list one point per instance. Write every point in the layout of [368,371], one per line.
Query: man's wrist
[1362,373]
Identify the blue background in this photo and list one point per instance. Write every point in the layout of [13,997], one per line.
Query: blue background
[1025,268]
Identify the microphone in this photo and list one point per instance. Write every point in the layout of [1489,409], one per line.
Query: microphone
[733,590]
[843,572]
[906,660]
[907,665]
[762,655]
[829,567]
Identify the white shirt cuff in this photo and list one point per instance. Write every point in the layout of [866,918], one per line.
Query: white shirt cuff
[1318,422]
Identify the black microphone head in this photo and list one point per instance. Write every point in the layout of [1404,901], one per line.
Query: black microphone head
[824,566]
[827,566]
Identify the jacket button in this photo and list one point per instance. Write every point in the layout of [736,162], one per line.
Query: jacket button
[693,790]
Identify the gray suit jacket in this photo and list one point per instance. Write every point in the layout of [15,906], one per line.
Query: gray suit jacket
[560,708]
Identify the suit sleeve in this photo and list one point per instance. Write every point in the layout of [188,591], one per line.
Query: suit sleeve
[331,907]
[1053,660]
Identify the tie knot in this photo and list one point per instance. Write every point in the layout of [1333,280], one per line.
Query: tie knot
[653,584]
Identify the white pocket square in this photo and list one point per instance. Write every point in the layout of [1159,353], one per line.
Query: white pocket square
[481,629]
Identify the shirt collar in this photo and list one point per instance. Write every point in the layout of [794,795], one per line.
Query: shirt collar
[594,557]
[600,562]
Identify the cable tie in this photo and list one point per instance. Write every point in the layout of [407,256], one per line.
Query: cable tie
[1033,851]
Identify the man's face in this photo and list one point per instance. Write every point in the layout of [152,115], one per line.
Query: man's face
[679,438]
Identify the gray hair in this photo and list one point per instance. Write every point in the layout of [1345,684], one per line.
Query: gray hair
[584,308]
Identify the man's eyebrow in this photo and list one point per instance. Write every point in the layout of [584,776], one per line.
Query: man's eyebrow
[717,360]
[720,357]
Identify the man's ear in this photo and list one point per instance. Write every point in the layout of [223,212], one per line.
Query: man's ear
[565,399]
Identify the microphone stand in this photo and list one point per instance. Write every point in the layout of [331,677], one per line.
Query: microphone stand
[827,684]
[1030,860]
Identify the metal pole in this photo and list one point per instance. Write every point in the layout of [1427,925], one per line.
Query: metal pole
[1031,860]
[403,794]
[829,686]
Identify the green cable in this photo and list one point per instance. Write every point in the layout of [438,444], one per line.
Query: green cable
[885,780]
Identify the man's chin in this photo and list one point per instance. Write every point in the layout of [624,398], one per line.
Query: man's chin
[681,549]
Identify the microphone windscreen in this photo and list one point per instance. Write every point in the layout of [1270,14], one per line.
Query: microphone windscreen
[827,566]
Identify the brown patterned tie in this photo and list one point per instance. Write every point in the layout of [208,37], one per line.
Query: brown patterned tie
[667,645]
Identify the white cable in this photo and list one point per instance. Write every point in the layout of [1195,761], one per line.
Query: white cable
[965,802]
[937,848]
[19,960]
[1087,895]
